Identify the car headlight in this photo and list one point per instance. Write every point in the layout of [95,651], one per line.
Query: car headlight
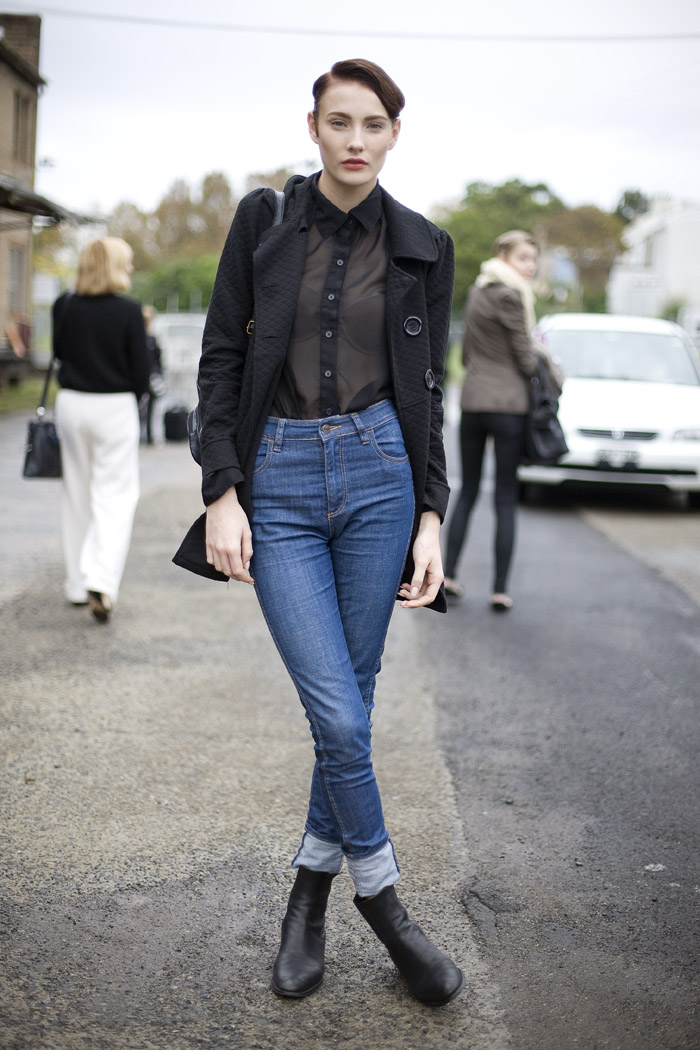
[687,435]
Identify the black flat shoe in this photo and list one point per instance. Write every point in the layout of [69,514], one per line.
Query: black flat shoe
[501,603]
[100,606]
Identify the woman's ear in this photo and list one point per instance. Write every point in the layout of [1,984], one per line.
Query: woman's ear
[313,130]
[396,128]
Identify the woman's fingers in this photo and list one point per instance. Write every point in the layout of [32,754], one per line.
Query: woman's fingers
[229,540]
[427,560]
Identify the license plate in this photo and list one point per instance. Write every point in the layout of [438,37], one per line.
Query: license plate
[618,457]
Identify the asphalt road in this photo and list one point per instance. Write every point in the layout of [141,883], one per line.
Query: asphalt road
[539,772]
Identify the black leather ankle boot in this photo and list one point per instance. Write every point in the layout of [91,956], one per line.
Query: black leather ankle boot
[298,967]
[429,974]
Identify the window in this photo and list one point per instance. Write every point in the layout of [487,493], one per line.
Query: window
[18,280]
[21,139]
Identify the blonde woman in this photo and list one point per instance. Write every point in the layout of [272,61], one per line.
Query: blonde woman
[100,344]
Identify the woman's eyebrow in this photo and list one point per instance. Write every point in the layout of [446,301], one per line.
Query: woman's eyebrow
[348,116]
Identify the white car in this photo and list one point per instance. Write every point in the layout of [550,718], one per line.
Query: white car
[630,408]
[180,339]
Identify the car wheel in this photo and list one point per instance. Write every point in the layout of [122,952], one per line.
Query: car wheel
[694,501]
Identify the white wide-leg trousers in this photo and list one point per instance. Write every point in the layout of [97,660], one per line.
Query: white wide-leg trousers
[100,452]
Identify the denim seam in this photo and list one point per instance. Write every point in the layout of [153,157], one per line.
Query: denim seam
[344,475]
[312,718]
[375,669]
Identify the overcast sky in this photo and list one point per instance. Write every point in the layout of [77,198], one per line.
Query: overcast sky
[130,107]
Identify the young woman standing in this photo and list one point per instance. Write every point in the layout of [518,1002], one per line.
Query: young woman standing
[324,479]
[500,358]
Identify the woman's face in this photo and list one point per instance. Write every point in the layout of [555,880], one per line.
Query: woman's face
[523,259]
[354,134]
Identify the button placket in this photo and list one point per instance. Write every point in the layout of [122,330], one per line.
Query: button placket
[329,319]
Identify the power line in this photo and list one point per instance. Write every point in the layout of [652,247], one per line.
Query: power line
[392,34]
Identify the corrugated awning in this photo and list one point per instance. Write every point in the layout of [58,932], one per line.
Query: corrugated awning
[15,197]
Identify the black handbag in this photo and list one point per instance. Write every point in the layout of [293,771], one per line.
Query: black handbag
[194,423]
[42,454]
[545,443]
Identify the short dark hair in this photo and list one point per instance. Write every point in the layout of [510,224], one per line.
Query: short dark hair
[367,73]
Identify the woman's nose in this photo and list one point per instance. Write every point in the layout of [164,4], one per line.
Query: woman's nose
[356,139]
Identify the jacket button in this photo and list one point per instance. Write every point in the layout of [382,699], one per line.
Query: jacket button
[412,325]
[429,379]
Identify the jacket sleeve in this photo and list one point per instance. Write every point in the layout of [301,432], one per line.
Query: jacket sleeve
[512,317]
[439,291]
[225,342]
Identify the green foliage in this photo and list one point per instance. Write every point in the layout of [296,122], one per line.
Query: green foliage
[486,212]
[178,284]
[591,238]
[671,309]
[631,204]
[24,396]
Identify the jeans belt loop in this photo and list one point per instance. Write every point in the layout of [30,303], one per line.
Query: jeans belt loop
[279,435]
[361,429]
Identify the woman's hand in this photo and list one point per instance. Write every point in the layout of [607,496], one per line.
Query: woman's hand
[229,539]
[428,574]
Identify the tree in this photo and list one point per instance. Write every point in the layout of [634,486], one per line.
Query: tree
[485,213]
[216,207]
[179,284]
[131,224]
[631,204]
[276,179]
[592,239]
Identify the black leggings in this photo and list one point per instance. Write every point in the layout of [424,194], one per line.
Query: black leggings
[508,432]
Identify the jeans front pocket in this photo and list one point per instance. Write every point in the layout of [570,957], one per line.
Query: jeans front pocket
[387,441]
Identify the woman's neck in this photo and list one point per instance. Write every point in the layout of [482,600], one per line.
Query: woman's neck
[344,197]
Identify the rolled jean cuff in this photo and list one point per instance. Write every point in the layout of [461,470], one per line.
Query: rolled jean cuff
[370,875]
[317,855]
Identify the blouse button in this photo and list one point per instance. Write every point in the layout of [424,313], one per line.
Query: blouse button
[328,334]
[331,297]
[328,374]
[339,262]
[412,326]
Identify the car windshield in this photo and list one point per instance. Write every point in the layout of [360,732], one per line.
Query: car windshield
[649,357]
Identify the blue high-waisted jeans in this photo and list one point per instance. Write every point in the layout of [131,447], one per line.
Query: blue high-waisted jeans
[333,510]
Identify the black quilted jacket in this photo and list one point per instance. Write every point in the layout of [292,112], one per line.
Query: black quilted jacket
[250,320]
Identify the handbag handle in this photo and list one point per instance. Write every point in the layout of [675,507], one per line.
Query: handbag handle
[41,407]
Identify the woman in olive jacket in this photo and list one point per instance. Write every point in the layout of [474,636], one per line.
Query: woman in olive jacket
[321,445]
[500,358]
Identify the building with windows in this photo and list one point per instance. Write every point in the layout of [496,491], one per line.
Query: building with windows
[20,86]
[659,273]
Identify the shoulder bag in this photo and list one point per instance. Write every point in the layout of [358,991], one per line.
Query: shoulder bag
[42,452]
[545,443]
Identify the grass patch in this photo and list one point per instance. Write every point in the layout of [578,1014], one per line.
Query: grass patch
[24,396]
